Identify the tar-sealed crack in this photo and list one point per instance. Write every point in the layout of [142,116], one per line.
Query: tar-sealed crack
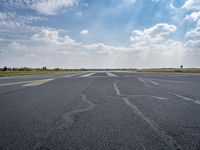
[67,119]
[171,143]
[68,116]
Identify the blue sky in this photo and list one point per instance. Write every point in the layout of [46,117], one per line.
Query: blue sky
[100,34]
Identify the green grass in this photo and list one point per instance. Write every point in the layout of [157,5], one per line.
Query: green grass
[17,73]
[175,70]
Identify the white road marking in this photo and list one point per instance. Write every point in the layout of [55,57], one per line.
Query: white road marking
[37,83]
[111,74]
[172,144]
[144,82]
[15,83]
[162,133]
[71,75]
[87,75]
[185,98]
[153,82]
[169,80]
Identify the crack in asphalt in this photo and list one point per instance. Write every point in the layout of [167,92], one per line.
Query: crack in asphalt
[171,143]
[65,122]
[68,116]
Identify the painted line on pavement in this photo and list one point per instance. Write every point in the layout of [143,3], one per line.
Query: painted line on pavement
[87,75]
[37,83]
[169,80]
[171,143]
[185,98]
[15,83]
[111,74]
[71,75]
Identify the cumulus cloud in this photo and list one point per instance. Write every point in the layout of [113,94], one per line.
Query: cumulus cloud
[193,44]
[198,22]
[194,33]
[17,46]
[52,36]
[193,37]
[51,7]
[84,32]
[153,36]
[17,27]
[193,16]
[47,7]
[191,4]
[54,50]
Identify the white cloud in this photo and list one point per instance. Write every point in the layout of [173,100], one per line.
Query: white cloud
[194,33]
[52,36]
[155,35]
[51,7]
[47,36]
[198,22]
[10,25]
[47,7]
[84,32]
[193,37]
[151,47]
[192,4]
[193,16]
[193,44]
[17,46]
[17,27]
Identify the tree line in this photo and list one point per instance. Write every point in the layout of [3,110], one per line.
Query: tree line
[5,68]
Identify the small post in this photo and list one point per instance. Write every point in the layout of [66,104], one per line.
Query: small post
[181,68]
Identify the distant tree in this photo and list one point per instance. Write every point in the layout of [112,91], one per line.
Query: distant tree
[5,68]
[44,68]
[56,69]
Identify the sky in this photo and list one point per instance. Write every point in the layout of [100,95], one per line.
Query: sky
[100,33]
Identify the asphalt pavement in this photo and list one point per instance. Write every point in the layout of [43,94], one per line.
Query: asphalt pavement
[100,111]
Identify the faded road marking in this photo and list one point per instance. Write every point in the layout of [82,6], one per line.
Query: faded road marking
[162,133]
[37,83]
[87,75]
[16,83]
[185,98]
[170,81]
[172,144]
[111,74]
[147,80]
[71,75]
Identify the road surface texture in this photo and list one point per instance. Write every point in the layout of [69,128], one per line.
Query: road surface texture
[100,111]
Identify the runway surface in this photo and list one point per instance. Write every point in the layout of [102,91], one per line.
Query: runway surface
[100,110]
